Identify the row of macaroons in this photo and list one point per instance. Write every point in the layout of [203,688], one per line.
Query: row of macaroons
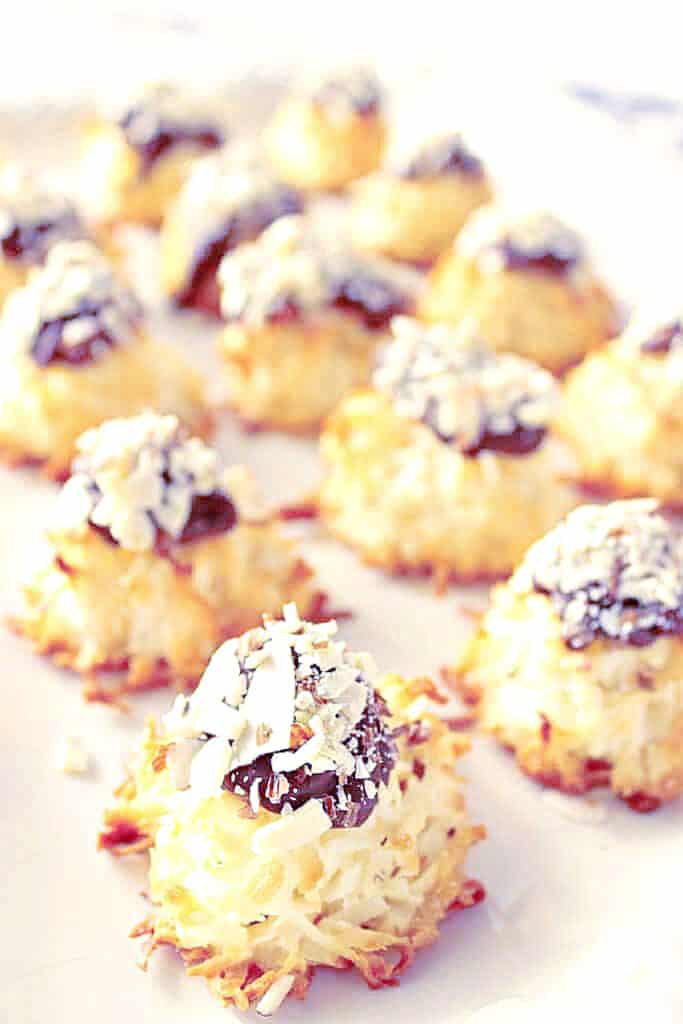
[306,323]
[156,554]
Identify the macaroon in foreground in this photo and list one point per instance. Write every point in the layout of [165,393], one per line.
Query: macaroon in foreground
[328,131]
[74,352]
[415,210]
[447,466]
[622,413]
[578,664]
[296,816]
[155,555]
[135,163]
[526,283]
[305,316]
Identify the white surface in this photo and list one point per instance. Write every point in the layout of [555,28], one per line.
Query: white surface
[585,912]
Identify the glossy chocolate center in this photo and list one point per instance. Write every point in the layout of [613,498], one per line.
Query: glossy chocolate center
[348,801]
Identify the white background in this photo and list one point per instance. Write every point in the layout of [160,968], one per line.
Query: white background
[585,916]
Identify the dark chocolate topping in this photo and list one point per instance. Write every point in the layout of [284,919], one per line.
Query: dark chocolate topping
[613,572]
[347,801]
[448,155]
[201,290]
[152,127]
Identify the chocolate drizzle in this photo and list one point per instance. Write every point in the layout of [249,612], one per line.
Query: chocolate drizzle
[29,240]
[542,258]
[447,155]
[357,91]
[201,290]
[469,396]
[348,801]
[664,339]
[374,299]
[152,134]
[50,347]
[210,515]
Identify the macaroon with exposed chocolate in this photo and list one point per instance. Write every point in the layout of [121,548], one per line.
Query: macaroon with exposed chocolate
[304,318]
[414,209]
[329,131]
[33,217]
[74,352]
[135,162]
[155,555]
[296,816]
[526,282]
[419,467]
[577,665]
[622,412]
[229,198]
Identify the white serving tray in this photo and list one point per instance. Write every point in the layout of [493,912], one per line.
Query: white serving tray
[584,918]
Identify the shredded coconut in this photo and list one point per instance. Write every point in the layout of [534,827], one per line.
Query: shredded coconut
[345,93]
[136,476]
[444,155]
[164,106]
[234,190]
[77,296]
[290,270]
[496,239]
[32,217]
[469,395]
[284,707]
[614,571]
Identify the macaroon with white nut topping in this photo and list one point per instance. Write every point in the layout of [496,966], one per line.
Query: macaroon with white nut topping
[296,816]
[578,664]
[447,465]
[229,198]
[155,555]
[328,130]
[416,208]
[74,352]
[525,280]
[304,317]
[622,412]
[33,218]
[135,163]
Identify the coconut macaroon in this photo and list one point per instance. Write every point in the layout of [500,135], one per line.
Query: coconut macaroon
[156,554]
[296,816]
[525,282]
[623,412]
[134,164]
[329,131]
[74,353]
[32,219]
[578,664]
[446,466]
[304,319]
[229,198]
[415,210]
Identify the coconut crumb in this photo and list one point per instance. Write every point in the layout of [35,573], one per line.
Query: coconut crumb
[72,757]
[275,996]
